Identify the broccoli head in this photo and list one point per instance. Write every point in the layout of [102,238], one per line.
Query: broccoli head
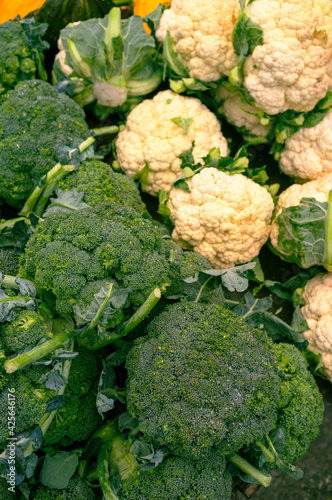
[68,251]
[31,400]
[9,260]
[202,379]
[5,494]
[26,329]
[99,183]
[176,478]
[78,417]
[21,49]
[36,125]
[77,489]
[300,408]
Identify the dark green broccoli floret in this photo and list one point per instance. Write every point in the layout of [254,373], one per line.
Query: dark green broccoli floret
[36,123]
[9,261]
[17,56]
[26,329]
[31,400]
[77,489]
[179,478]
[300,408]
[185,264]
[106,242]
[5,494]
[202,378]
[100,183]
[78,417]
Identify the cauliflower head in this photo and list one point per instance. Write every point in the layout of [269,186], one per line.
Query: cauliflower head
[224,218]
[240,114]
[308,153]
[202,35]
[292,69]
[151,136]
[318,313]
[292,196]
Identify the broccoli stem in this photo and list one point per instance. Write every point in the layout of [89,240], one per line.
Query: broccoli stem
[249,469]
[47,419]
[38,352]
[328,235]
[270,457]
[129,325]
[41,194]
[112,129]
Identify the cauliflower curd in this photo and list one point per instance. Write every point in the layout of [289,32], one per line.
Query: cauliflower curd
[151,136]
[308,153]
[292,69]
[202,35]
[318,313]
[224,218]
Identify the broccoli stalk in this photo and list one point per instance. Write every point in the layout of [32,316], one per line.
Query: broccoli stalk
[41,194]
[114,457]
[328,235]
[249,469]
[82,334]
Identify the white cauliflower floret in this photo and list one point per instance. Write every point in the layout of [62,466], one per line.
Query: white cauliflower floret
[202,34]
[308,153]
[292,69]
[151,136]
[224,218]
[292,196]
[240,114]
[318,313]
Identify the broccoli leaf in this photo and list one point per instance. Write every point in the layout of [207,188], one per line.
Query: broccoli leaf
[277,329]
[302,233]
[66,202]
[127,421]
[58,468]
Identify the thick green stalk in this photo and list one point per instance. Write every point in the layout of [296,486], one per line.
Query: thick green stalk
[270,457]
[103,473]
[249,469]
[52,177]
[134,321]
[47,419]
[38,352]
[112,129]
[328,235]
[10,282]
[50,187]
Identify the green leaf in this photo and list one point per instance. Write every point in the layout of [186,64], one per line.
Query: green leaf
[66,202]
[302,233]
[162,208]
[58,468]
[143,176]
[315,362]
[184,123]
[277,329]
[153,19]
[251,305]
[256,273]
[172,58]
[127,421]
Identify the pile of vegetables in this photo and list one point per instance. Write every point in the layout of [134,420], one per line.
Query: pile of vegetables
[165,246]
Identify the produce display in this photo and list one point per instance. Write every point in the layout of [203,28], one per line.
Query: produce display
[165,246]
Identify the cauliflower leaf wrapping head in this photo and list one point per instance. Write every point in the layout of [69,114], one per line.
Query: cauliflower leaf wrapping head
[224,218]
[308,153]
[153,136]
[202,34]
[292,69]
[292,196]
[318,314]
